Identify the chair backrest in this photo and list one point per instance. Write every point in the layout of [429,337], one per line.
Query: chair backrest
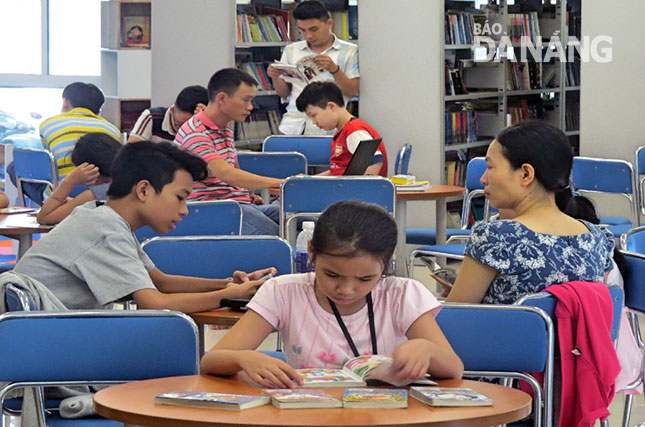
[274,165]
[34,165]
[16,299]
[474,171]
[97,346]
[547,302]
[219,257]
[593,175]
[639,171]
[402,161]
[317,149]
[633,240]
[311,195]
[208,218]
[502,341]
[634,281]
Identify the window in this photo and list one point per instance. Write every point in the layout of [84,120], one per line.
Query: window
[49,43]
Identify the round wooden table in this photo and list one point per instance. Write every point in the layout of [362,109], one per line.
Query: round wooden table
[134,403]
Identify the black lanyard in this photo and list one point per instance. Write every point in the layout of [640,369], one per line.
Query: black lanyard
[348,337]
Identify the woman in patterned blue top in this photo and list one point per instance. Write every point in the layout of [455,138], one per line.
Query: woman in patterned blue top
[527,178]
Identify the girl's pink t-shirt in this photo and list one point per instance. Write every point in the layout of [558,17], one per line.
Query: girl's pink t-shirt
[312,337]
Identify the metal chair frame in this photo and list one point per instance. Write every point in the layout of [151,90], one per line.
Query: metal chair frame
[639,178]
[42,376]
[371,189]
[491,361]
[51,177]
[629,192]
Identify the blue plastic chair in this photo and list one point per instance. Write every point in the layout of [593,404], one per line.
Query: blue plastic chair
[639,171]
[635,301]
[317,149]
[546,302]
[207,218]
[274,165]
[428,236]
[609,176]
[633,240]
[402,160]
[311,195]
[96,347]
[218,257]
[502,341]
[36,166]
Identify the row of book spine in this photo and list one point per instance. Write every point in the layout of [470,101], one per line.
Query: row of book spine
[261,28]
[524,75]
[461,127]
[523,109]
[572,114]
[259,71]
[454,82]
[459,28]
[524,25]
[259,125]
[573,73]
[346,23]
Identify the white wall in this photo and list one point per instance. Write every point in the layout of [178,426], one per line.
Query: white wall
[191,40]
[612,94]
[401,85]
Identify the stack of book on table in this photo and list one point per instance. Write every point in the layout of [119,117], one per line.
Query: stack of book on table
[409,183]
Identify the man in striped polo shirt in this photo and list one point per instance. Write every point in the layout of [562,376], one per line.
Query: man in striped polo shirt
[82,103]
[209,136]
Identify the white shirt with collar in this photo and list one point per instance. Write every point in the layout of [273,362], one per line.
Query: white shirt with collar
[343,53]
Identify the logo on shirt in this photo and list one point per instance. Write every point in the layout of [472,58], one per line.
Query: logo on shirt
[338,149]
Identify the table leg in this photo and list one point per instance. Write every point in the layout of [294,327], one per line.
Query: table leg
[400,257]
[24,243]
[440,217]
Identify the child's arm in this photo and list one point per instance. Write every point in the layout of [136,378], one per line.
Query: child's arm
[169,283]
[374,169]
[58,205]
[154,299]
[472,282]
[427,350]
[4,200]
[236,352]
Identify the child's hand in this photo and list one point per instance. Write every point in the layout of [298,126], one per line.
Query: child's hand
[84,174]
[411,360]
[241,276]
[268,371]
[245,290]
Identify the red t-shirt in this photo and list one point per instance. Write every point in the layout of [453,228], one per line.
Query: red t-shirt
[344,144]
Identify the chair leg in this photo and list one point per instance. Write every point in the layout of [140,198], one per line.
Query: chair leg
[627,409]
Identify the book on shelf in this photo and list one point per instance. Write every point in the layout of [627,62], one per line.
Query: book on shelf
[524,25]
[461,126]
[442,396]
[135,31]
[258,125]
[235,402]
[255,28]
[459,28]
[305,69]
[258,71]
[355,372]
[524,75]
[300,399]
[375,398]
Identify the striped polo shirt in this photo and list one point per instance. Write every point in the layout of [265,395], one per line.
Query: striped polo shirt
[60,133]
[203,138]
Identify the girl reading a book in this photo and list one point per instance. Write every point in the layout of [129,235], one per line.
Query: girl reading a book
[350,306]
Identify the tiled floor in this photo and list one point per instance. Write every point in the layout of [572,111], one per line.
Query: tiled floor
[420,273]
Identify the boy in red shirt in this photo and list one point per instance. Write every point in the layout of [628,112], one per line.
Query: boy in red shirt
[323,103]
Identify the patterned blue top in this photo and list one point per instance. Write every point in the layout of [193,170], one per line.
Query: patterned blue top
[528,261]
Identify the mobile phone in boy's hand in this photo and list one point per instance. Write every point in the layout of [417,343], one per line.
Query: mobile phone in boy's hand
[266,277]
[234,303]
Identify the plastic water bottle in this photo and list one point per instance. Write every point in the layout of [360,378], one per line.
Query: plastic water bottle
[303,263]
